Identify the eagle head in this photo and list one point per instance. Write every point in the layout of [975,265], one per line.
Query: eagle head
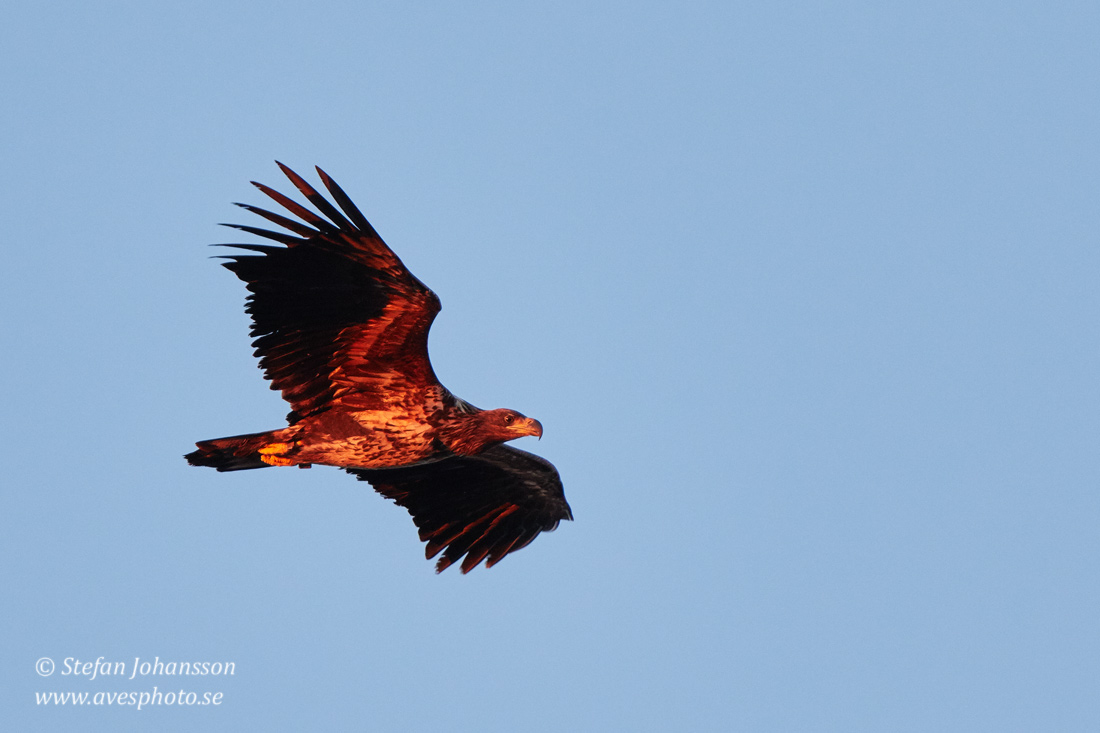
[502,425]
[468,434]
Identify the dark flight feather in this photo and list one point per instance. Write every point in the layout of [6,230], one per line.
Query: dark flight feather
[481,506]
[312,305]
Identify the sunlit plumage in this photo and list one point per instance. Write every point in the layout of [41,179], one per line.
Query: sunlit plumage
[341,329]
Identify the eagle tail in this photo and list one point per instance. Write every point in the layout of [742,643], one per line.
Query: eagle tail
[240,452]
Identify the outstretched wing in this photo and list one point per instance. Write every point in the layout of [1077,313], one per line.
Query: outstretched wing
[482,506]
[336,316]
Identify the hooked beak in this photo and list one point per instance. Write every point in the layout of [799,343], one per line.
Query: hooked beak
[531,426]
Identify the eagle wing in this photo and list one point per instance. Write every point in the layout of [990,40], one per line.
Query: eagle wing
[482,506]
[336,315]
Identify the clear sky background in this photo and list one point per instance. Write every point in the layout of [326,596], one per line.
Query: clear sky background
[805,295]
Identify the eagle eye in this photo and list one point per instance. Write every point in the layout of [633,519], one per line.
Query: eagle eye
[509,418]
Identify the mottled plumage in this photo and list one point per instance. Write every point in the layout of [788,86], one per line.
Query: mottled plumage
[341,329]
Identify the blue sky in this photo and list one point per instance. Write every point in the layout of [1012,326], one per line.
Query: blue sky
[804,295]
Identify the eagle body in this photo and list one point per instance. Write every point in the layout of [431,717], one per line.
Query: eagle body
[341,329]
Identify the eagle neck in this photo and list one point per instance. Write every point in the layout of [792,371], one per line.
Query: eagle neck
[462,433]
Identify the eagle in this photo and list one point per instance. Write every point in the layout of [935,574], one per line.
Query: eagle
[340,326]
